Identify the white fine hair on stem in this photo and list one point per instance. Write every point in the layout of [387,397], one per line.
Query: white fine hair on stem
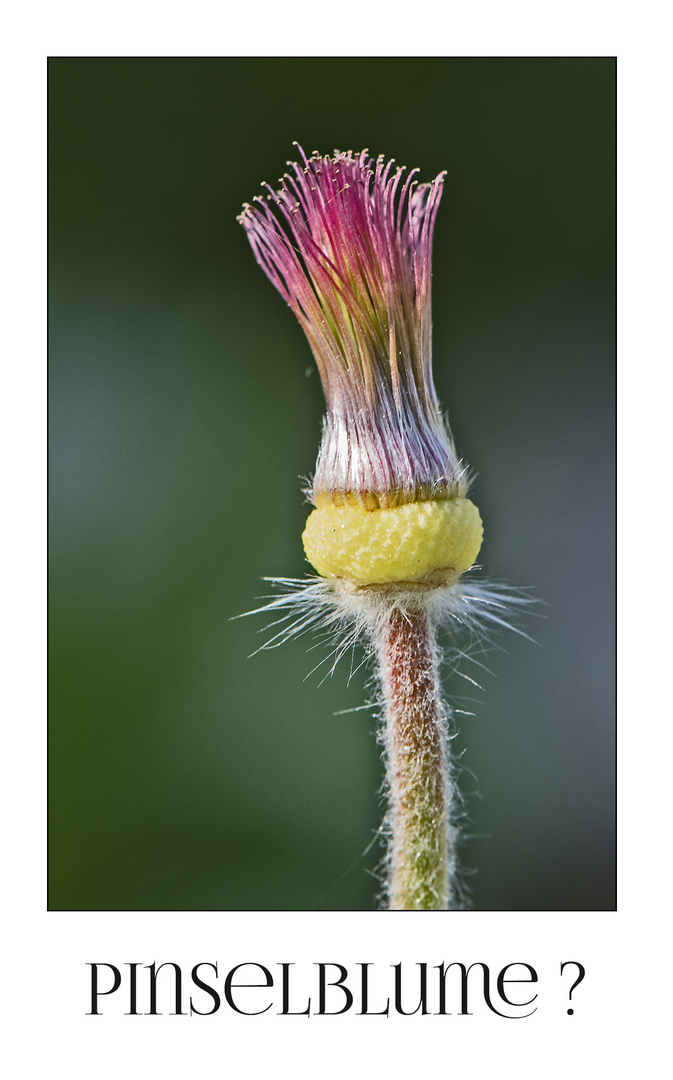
[466,620]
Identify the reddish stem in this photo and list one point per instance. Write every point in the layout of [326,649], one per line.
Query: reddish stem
[421,849]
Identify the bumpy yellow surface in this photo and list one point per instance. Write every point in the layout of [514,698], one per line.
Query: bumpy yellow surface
[402,543]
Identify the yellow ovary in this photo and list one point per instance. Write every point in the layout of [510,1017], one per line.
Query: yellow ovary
[400,543]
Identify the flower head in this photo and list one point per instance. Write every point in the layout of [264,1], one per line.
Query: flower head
[347,241]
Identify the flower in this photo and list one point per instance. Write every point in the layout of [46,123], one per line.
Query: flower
[347,241]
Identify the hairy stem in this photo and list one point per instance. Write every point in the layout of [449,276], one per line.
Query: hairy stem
[421,841]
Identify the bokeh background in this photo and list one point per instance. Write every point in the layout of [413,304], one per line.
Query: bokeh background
[184,409]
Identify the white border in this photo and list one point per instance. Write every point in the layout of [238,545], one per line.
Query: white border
[619,1013]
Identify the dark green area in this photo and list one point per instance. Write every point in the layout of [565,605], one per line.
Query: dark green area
[185,407]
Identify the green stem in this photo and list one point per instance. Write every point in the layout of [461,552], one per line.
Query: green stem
[421,844]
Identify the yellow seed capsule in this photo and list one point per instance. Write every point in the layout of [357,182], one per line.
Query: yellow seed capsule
[400,543]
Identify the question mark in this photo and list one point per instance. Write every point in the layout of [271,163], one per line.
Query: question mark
[577,981]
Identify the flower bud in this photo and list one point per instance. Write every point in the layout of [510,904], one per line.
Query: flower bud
[347,241]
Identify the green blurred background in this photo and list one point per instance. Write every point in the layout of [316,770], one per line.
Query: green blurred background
[184,409]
